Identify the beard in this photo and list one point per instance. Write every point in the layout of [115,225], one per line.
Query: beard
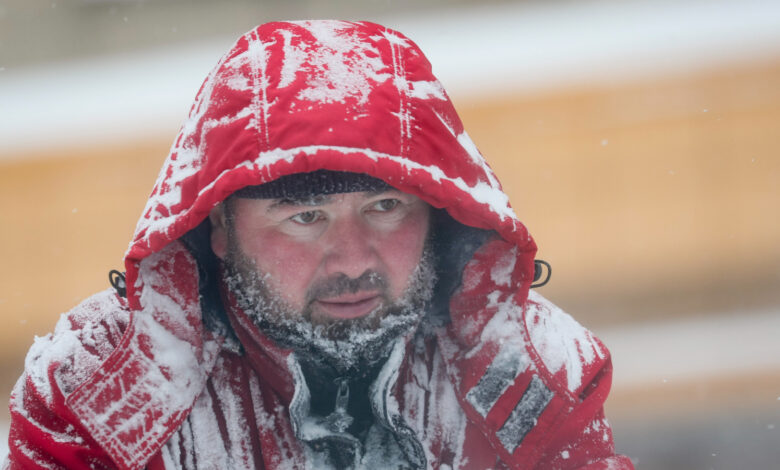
[345,347]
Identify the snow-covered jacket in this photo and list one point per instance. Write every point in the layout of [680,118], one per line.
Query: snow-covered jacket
[156,379]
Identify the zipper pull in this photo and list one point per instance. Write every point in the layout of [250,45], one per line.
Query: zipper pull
[342,396]
[340,420]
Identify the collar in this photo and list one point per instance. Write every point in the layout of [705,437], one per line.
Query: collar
[144,390]
[281,368]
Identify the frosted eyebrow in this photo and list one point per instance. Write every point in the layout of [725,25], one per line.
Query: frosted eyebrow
[379,191]
[290,202]
[322,199]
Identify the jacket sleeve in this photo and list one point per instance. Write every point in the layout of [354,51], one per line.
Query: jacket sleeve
[43,432]
[529,376]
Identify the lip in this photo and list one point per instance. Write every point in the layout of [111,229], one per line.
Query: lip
[349,306]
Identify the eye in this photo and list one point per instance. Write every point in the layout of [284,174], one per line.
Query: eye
[385,205]
[306,218]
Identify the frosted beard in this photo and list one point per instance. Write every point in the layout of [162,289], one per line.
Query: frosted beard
[349,347]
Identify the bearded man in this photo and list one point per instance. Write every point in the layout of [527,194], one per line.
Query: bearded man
[326,275]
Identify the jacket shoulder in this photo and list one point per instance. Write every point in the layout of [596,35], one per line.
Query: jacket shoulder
[82,339]
[566,349]
[44,433]
[509,337]
[530,377]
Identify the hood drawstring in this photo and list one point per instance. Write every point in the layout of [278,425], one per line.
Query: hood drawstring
[340,420]
[538,273]
[117,280]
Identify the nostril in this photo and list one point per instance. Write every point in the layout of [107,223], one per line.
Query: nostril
[351,256]
[352,261]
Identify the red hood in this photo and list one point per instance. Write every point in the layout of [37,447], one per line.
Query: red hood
[294,97]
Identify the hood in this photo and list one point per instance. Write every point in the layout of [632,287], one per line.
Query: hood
[293,97]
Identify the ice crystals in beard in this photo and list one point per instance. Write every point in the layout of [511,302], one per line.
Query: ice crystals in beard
[344,345]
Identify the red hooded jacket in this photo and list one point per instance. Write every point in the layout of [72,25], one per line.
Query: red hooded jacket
[149,380]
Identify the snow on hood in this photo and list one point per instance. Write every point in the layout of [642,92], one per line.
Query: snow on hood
[292,97]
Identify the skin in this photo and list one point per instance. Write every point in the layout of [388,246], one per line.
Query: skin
[300,245]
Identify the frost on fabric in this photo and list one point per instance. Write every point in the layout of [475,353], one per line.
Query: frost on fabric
[273,423]
[483,193]
[152,392]
[300,404]
[505,328]
[393,38]
[525,415]
[601,428]
[184,161]
[131,404]
[489,193]
[82,339]
[500,375]
[294,58]
[229,402]
[560,341]
[217,433]
[380,449]
[421,89]
[343,67]
[34,454]
[449,427]
[501,273]
[511,360]
[199,442]
[256,57]
[382,400]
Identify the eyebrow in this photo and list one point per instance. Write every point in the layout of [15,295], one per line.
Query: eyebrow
[378,191]
[319,200]
[304,201]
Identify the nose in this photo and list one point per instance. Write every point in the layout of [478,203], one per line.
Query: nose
[351,248]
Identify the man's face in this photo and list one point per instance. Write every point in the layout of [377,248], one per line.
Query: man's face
[337,266]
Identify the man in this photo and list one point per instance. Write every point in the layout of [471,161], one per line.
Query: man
[326,275]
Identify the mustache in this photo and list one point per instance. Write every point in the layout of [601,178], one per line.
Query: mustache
[342,284]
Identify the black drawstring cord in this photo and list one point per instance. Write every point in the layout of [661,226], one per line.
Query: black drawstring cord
[117,280]
[538,273]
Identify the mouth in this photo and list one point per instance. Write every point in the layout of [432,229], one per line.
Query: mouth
[349,306]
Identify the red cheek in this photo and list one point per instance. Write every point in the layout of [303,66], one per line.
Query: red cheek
[402,250]
[289,266]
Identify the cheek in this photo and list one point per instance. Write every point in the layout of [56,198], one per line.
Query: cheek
[288,265]
[402,251]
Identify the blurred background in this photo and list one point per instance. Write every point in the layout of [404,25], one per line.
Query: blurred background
[637,139]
